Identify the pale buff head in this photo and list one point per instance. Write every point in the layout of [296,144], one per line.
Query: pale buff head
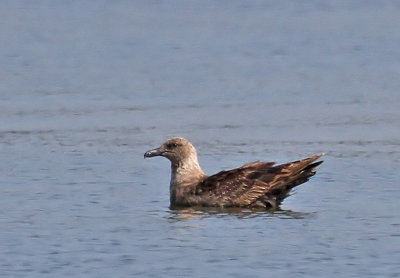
[178,150]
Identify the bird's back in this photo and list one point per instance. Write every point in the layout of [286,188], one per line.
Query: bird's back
[255,184]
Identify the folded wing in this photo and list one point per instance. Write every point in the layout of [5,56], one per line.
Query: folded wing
[257,183]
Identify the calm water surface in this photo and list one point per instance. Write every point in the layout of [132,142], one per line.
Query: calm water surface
[87,88]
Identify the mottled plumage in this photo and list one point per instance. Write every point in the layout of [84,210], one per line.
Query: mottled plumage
[255,184]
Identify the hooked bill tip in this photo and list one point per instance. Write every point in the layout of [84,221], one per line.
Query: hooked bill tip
[152,153]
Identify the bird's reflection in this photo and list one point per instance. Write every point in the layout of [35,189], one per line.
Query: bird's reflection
[198,213]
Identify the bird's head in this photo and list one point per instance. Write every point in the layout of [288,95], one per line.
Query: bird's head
[178,150]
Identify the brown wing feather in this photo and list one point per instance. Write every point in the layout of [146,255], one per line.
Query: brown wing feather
[243,186]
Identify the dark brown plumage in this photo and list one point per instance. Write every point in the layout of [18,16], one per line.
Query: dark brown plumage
[255,184]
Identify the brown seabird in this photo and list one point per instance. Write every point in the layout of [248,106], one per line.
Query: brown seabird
[255,184]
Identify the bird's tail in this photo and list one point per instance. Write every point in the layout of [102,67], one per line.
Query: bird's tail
[302,171]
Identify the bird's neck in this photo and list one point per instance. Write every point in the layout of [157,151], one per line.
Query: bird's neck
[186,172]
[184,176]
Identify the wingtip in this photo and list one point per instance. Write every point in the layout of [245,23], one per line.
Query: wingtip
[320,155]
[316,157]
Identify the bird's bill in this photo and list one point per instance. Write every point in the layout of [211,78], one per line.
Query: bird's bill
[155,152]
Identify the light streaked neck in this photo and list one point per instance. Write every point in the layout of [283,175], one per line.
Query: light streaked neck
[187,172]
[185,175]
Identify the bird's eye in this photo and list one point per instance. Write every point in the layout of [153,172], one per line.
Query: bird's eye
[172,145]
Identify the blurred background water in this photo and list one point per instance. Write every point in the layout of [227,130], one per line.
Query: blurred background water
[87,87]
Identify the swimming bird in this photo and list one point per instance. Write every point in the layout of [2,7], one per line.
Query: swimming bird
[255,184]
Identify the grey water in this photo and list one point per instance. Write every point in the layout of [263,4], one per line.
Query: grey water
[86,87]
